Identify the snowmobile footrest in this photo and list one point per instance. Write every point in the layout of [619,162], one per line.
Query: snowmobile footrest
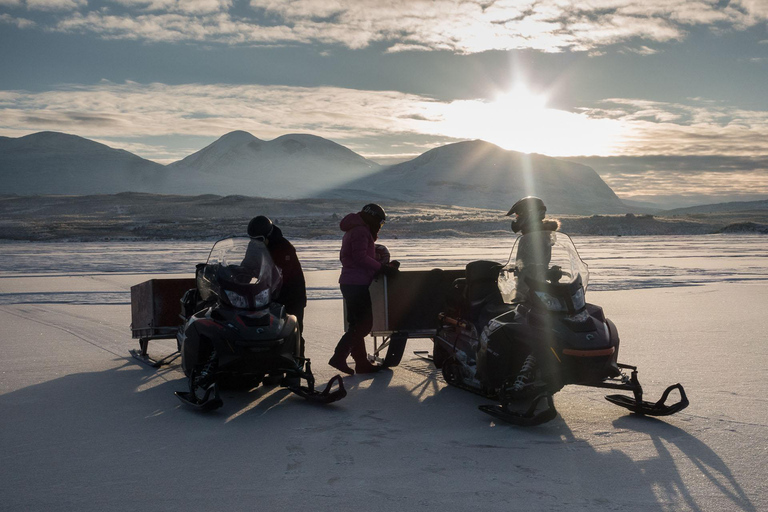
[528,418]
[645,408]
[322,397]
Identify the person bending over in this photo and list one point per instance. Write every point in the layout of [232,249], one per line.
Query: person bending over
[359,265]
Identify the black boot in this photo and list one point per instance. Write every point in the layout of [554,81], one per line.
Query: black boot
[339,361]
[362,365]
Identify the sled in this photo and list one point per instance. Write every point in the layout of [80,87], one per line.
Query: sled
[405,306]
[155,315]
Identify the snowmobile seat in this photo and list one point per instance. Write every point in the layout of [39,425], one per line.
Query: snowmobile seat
[456,298]
[482,288]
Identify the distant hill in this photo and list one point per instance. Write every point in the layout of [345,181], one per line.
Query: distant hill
[132,216]
[290,166]
[59,163]
[737,206]
[483,175]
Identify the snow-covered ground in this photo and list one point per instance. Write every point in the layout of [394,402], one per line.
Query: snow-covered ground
[85,427]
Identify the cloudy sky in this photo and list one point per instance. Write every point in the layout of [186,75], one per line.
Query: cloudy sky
[666,99]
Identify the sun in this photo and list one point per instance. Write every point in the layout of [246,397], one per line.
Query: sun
[519,119]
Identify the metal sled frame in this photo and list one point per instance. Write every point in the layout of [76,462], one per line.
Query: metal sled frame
[394,344]
[157,334]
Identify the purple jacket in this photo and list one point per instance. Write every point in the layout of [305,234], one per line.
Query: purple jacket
[357,255]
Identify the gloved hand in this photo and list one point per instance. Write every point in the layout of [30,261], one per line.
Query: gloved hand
[389,270]
[395,263]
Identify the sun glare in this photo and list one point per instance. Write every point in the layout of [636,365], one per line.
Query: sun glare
[520,120]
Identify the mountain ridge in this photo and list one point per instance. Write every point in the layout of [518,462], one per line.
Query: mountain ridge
[481,174]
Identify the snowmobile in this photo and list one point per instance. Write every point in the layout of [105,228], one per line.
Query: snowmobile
[236,335]
[519,332]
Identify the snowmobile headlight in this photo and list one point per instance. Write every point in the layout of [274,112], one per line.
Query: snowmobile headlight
[261,298]
[578,299]
[552,303]
[237,300]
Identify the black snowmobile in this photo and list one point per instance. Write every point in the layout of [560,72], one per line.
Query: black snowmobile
[519,332]
[236,335]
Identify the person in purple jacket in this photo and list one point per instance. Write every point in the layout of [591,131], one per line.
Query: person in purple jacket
[359,265]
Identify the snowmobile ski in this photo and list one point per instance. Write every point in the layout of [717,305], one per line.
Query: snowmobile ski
[529,417]
[322,397]
[646,408]
[206,403]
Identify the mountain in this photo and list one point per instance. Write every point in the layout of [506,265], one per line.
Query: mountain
[59,163]
[290,166]
[732,207]
[481,174]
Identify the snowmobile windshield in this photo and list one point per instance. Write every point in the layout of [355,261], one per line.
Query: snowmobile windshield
[546,258]
[240,271]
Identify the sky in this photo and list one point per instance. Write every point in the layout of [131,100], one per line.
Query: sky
[666,99]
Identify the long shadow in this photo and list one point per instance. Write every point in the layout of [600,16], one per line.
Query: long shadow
[119,440]
[702,456]
[653,483]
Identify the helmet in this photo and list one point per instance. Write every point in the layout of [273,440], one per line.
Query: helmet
[375,211]
[382,253]
[528,210]
[530,206]
[260,227]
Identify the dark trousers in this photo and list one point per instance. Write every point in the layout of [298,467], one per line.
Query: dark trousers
[357,302]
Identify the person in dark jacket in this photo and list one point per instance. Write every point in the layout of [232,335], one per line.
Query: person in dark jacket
[293,293]
[534,251]
[359,265]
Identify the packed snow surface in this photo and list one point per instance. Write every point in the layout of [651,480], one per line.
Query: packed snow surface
[83,426]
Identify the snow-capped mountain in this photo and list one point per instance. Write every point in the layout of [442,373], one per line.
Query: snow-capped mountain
[290,166]
[473,173]
[59,163]
[481,174]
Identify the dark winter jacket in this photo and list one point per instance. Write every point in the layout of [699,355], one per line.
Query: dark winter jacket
[294,289]
[534,253]
[358,254]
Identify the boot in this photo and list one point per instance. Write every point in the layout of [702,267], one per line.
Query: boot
[362,365]
[339,361]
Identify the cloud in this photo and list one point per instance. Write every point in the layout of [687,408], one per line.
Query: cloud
[55,5]
[699,128]
[679,177]
[128,110]
[184,6]
[19,22]
[460,26]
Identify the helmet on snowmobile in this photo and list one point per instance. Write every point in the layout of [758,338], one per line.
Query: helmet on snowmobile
[527,209]
[260,227]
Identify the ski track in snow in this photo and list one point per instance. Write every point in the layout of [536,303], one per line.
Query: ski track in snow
[616,263]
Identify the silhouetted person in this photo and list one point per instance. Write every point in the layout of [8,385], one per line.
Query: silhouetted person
[534,250]
[359,265]
[293,293]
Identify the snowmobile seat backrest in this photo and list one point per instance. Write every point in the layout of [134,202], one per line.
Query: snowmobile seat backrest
[482,285]
[456,297]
